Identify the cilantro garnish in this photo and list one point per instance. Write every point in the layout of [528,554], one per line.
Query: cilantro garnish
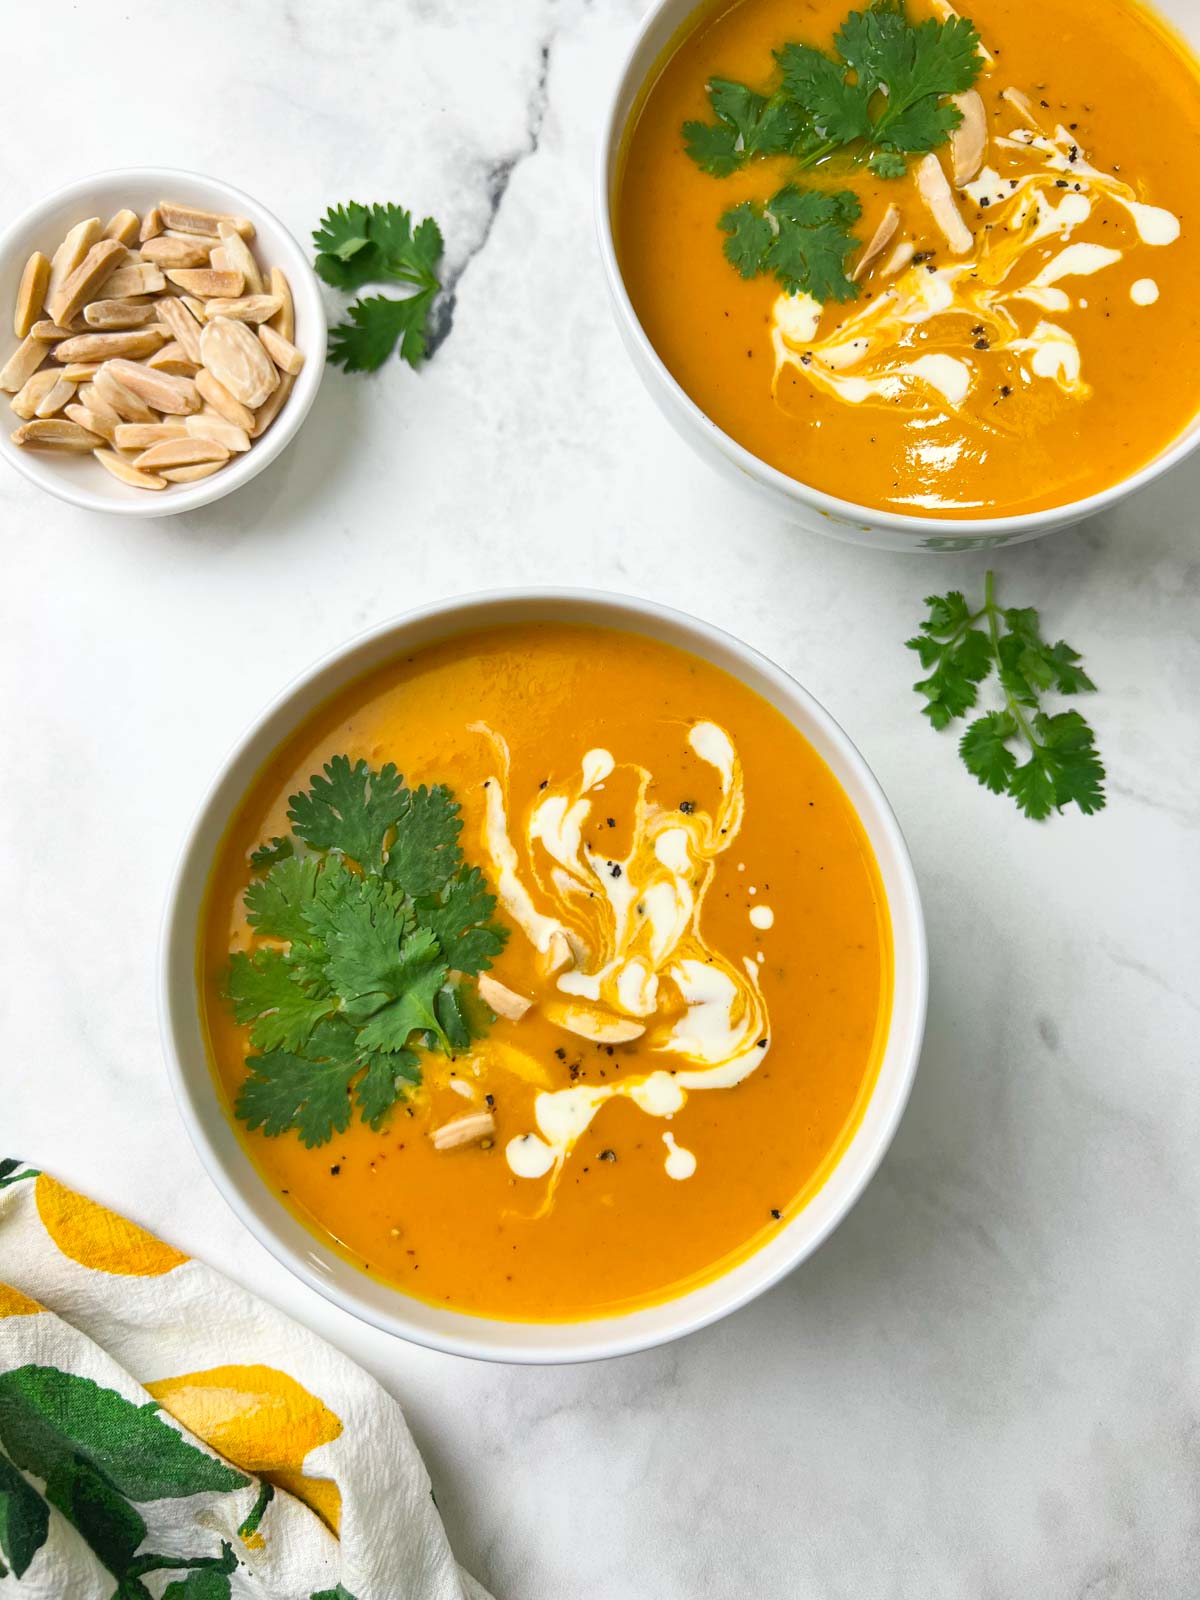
[881,95]
[1062,764]
[800,235]
[378,926]
[358,245]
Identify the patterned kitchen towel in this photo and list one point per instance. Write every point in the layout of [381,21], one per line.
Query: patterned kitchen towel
[166,1436]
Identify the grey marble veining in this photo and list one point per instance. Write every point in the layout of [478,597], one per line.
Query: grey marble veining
[987,1384]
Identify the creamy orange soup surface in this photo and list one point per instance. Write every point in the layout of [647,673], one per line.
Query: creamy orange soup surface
[684,836]
[1038,344]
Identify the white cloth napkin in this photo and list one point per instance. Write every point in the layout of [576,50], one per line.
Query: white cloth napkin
[166,1436]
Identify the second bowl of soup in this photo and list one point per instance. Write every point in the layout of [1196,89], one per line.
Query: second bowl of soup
[921,277]
[545,976]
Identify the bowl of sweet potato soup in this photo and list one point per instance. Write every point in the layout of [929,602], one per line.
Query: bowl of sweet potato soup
[544,976]
[922,277]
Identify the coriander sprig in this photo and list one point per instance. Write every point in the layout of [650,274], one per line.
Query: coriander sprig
[358,245]
[377,927]
[882,94]
[1062,765]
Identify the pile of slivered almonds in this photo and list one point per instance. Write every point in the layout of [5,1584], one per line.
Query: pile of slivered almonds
[157,343]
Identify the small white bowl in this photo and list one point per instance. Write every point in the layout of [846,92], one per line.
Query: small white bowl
[77,478]
[329,1273]
[664,23]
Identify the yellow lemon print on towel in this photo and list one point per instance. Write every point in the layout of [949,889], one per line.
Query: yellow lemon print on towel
[263,1421]
[15,1304]
[98,1238]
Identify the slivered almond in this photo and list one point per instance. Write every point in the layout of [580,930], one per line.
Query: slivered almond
[56,434]
[176,396]
[142,278]
[244,308]
[281,351]
[219,261]
[126,473]
[107,419]
[31,293]
[81,371]
[185,452]
[169,251]
[556,955]
[152,225]
[505,1002]
[88,419]
[939,198]
[205,282]
[125,227]
[56,397]
[237,359]
[80,286]
[191,219]
[32,392]
[196,307]
[458,1131]
[142,435]
[23,363]
[219,398]
[181,322]
[284,320]
[113,392]
[70,253]
[601,1026]
[968,142]
[207,424]
[50,332]
[173,358]
[111,314]
[272,406]
[240,257]
[104,346]
[879,242]
[203,469]
[1022,105]
[899,258]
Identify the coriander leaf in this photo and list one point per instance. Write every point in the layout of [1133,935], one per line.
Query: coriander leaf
[888,164]
[1063,765]
[916,67]
[341,236]
[424,854]
[751,233]
[364,930]
[748,125]
[415,980]
[1080,772]
[461,919]
[799,235]
[267,854]
[350,809]
[366,341]
[286,1091]
[262,991]
[984,750]
[275,904]
[387,1079]
[1033,786]
[816,83]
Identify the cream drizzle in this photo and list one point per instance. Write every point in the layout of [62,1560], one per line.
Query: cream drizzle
[869,357]
[680,1163]
[633,924]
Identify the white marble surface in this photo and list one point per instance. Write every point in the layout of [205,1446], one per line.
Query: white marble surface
[987,1383]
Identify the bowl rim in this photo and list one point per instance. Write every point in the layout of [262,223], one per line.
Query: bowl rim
[303,283]
[1024,524]
[252,1202]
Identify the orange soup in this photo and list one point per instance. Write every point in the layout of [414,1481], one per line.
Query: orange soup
[972,303]
[587,1049]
